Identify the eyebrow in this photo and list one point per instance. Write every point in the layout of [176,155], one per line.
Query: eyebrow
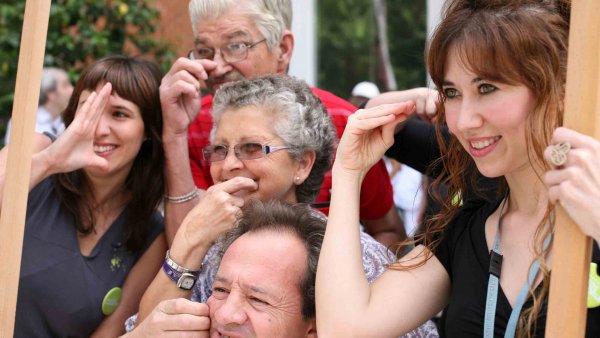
[253,288]
[236,34]
[121,107]
[450,83]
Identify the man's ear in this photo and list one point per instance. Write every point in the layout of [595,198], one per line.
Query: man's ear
[286,48]
[312,328]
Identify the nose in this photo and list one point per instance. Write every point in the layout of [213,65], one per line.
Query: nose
[231,310]
[469,115]
[103,127]
[231,161]
[223,67]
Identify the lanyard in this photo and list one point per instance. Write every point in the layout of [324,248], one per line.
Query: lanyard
[492,291]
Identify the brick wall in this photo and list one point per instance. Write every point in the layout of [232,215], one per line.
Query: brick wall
[175,25]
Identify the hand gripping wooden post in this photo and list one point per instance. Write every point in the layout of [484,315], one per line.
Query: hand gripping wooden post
[16,181]
[571,254]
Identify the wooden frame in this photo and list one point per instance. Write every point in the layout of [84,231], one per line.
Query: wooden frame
[16,181]
[571,254]
[572,249]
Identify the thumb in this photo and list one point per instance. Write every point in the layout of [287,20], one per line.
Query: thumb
[99,163]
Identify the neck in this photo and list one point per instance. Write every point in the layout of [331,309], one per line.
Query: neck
[52,110]
[528,194]
[107,192]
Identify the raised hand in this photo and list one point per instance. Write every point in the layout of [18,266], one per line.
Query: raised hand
[575,185]
[426,101]
[74,149]
[215,214]
[368,134]
[180,93]
[175,318]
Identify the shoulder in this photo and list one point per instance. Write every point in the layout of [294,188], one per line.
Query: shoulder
[42,192]
[333,102]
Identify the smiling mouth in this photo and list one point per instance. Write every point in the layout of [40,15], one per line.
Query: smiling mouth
[482,144]
[103,149]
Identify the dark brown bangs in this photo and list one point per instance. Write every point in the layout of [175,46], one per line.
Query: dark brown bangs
[484,44]
[133,80]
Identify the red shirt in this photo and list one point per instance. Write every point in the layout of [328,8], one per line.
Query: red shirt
[376,195]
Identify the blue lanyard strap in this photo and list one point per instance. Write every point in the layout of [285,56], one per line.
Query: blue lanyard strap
[492,291]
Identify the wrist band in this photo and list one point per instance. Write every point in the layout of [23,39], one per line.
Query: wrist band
[183,198]
[171,263]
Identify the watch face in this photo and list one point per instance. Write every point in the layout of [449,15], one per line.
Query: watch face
[186,282]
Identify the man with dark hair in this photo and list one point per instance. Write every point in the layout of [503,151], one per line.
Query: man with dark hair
[264,286]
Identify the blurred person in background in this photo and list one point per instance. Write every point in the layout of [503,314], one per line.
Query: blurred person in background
[55,92]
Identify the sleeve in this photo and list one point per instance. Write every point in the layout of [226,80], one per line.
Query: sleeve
[376,257]
[198,137]
[157,226]
[376,193]
[415,145]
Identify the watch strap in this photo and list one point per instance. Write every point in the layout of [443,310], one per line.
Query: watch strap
[176,267]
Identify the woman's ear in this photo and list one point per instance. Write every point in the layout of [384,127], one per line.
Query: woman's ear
[305,165]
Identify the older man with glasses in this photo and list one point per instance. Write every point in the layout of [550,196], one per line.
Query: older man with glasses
[235,40]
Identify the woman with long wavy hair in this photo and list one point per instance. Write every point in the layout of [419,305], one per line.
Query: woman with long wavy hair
[500,69]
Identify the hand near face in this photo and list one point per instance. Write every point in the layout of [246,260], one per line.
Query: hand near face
[180,93]
[216,212]
[74,149]
[576,184]
[368,134]
[175,318]
[426,101]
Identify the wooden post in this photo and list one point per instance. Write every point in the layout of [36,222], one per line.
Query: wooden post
[16,181]
[571,254]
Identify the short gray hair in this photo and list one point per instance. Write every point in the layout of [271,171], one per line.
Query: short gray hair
[300,220]
[271,17]
[49,82]
[302,121]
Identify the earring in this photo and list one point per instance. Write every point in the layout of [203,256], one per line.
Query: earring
[296,179]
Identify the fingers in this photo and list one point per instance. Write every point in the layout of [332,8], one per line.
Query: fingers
[179,316]
[401,108]
[181,306]
[98,104]
[198,68]
[237,184]
[387,114]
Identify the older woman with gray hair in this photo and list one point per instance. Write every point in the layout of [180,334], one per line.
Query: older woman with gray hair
[272,139]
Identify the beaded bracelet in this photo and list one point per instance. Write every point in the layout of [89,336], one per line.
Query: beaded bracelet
[183,198]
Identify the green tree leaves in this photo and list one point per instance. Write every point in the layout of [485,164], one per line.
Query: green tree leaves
[79,32]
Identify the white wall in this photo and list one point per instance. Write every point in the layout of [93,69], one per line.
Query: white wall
[434,8]
[304,27]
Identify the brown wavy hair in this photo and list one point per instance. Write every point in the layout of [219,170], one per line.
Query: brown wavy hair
[136,81]
[518,42]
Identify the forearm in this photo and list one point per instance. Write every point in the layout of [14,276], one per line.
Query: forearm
[342,288]
[137,281]
[179,182]
[185,254]
[41,163]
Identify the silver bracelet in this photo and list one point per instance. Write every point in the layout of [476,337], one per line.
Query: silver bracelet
[183,198]
[171,263]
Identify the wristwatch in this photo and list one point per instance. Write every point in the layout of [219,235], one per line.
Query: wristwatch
[185,278]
